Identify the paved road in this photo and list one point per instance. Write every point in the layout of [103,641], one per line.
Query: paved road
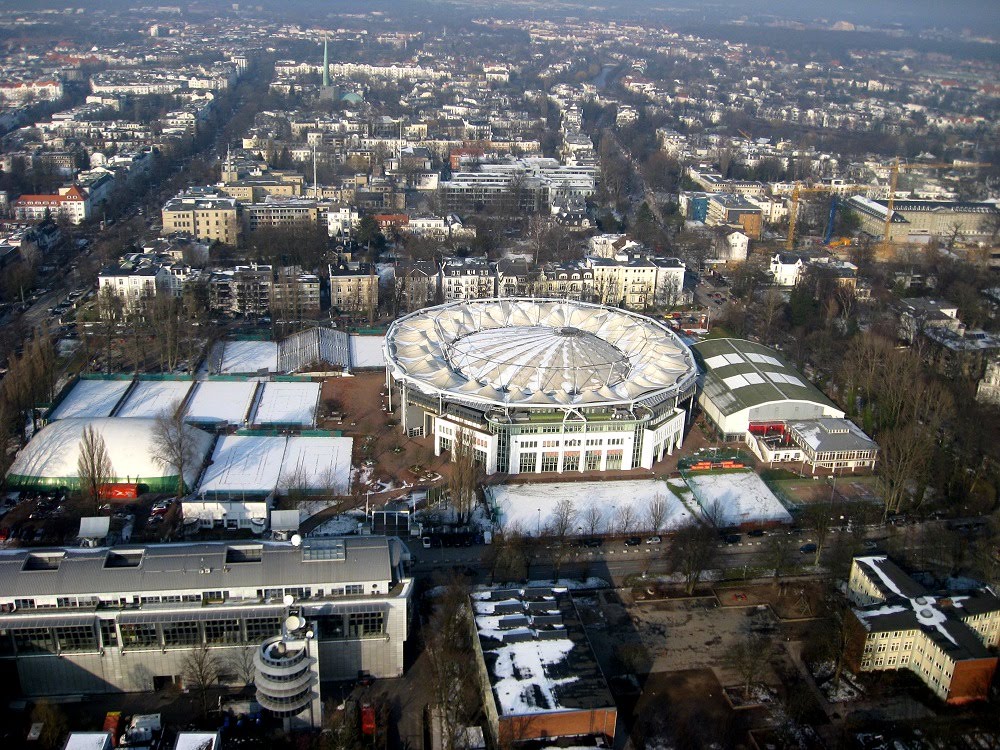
[613,560]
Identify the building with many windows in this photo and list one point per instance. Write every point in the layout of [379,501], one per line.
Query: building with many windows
[541,385]
[204,214]
[947,638]
[80,622]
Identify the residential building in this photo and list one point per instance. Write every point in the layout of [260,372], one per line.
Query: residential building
[353,287]
[725,209]
[205,214]
[281,213]
[135,279]
[786,269]
[342,220]
[467,278]
[920,221]
[418,284]
[125,618]
[637,282]
[71,203]
[295,295]
[242,290]
[948,639]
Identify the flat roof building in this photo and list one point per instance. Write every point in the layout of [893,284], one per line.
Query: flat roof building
[537,671]
[85,621]
[947,638]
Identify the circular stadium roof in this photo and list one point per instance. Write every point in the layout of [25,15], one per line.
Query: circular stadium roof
[52,455]
[537,353]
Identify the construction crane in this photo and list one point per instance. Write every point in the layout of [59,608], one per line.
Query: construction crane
[894,170]
[793,212]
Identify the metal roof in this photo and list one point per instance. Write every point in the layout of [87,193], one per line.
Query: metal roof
[185,567]
[740,375]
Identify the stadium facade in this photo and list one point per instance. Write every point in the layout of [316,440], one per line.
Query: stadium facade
[541,385]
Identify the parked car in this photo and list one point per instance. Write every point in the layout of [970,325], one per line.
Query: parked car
[633,541]
[756,533]
[653,540]
[426,542]
[807,548]
[733,538]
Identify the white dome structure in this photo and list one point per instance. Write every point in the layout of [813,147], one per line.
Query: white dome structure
[540,353]
[50,460]
[511,364]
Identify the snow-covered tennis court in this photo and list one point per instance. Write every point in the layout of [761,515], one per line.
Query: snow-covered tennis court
[317,463]
[220,401]
[288,403]
[599,507]
[244,463]
[91,398]
[734,498]
[153,398]
[249,358]
[367,351]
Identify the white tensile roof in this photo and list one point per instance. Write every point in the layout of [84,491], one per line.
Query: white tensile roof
[537,353]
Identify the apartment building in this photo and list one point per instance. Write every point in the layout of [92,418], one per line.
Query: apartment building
[71,203]
[295,295]
[638,282]
[944,637]
[242,290]
[84,622]
[353,287]
[726,209]
[205,214]
[135,279]
[282,213]
[467,278]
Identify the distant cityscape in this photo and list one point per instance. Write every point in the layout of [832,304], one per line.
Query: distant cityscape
[447,376]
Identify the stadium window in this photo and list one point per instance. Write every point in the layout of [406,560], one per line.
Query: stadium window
[222,631]
[109,635]
[181,634]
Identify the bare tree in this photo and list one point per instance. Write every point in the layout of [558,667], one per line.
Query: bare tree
[240,663]
[593,518]
[748,657]
[561,528]
[656,513]
[778,553]
[449,649]
[465,470]
[817,517]
[692,552]
[174,443]
[200,670]
[625,519]
[93,466]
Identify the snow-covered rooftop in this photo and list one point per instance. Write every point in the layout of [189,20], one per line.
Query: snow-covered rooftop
[367,351]
[154,398]
[244,463]
[220,401]
[91,398]
[537,353]
[537,654]
[249,357]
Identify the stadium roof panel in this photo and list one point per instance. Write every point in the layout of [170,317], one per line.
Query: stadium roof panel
[537,353]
